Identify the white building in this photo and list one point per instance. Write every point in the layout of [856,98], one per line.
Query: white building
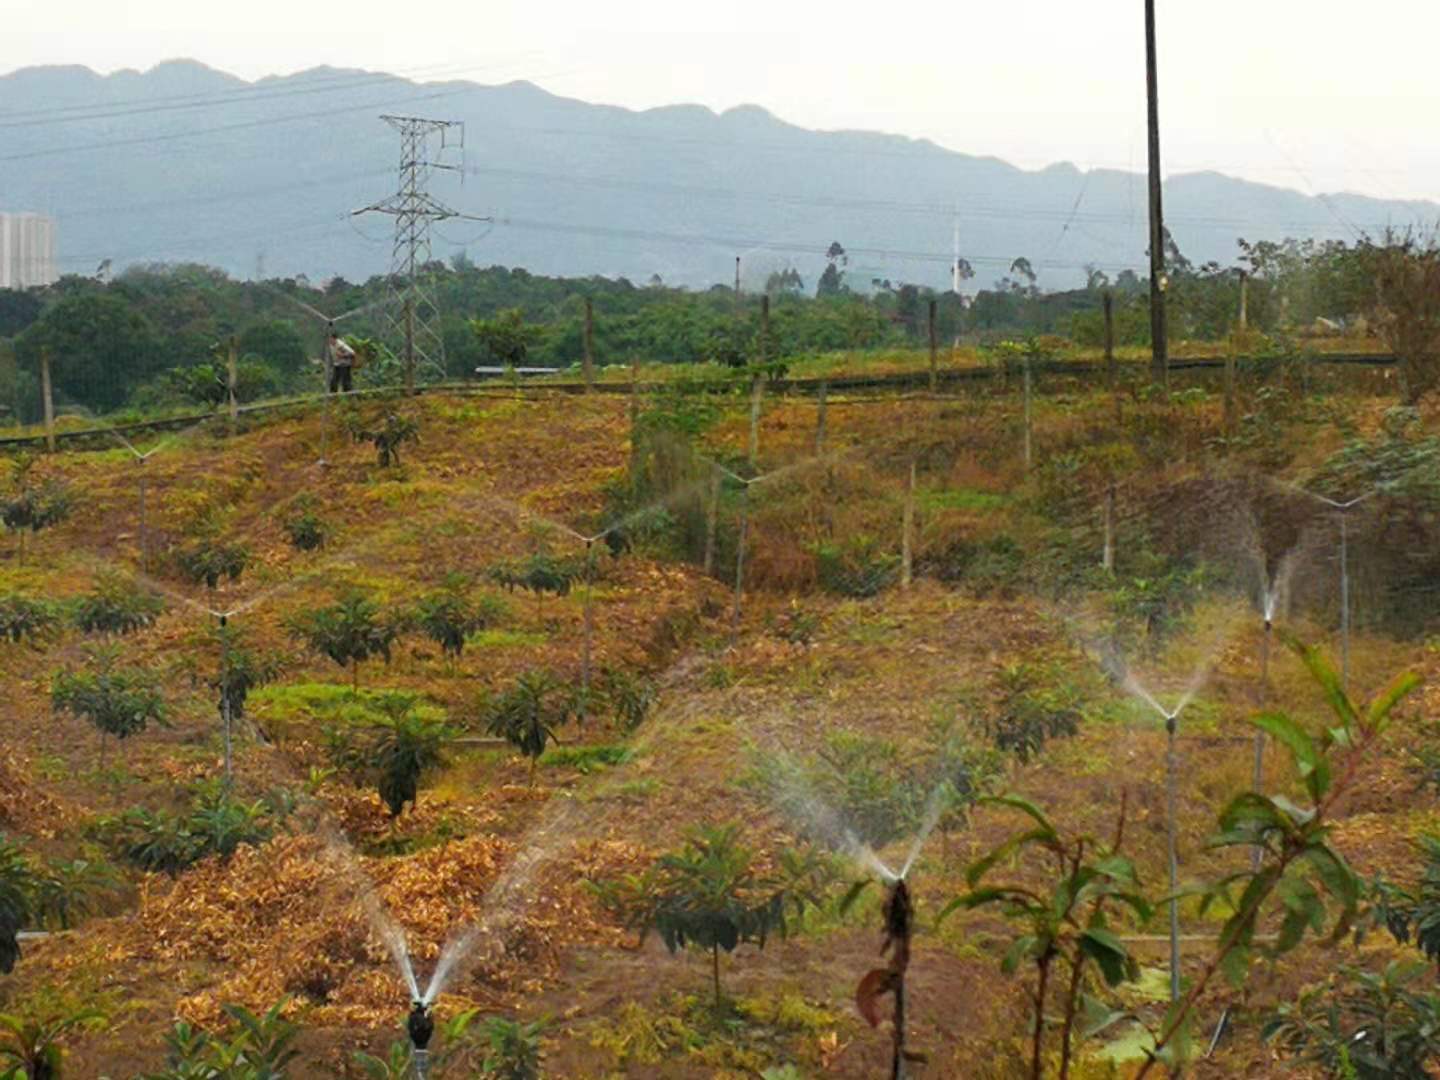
[27,251]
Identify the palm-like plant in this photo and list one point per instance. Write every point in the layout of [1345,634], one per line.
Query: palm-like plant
[528,714]
[69,891]
[447,616]
[712,894]
[349,632]
[17,887]
[403,747]
[34,1045]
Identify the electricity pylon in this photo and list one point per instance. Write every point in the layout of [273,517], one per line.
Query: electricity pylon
[412,318]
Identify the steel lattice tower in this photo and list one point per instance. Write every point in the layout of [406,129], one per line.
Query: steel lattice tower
[411,317]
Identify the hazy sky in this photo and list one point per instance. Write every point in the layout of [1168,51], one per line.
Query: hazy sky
[1310,94]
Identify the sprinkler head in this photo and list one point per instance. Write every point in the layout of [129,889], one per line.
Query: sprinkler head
[899,913]
[420,1025]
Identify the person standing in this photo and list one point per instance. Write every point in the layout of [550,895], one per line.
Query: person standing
[342,365]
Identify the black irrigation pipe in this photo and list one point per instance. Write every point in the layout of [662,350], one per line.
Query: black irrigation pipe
[812,385]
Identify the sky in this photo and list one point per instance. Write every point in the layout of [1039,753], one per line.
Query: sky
[1315,96]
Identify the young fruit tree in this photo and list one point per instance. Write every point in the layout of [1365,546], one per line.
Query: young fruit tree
[115,606]
[349,632]
[118,701]
[713,894]
[387,435]
[448,616]
[22,617]
[528,714]
[393,752]
[17,885]
[31,507]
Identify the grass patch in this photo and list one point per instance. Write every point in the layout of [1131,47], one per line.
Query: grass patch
[586,758]
[500,639]
[282,706]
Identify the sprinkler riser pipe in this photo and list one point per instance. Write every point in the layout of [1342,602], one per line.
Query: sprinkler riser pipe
[1170,783]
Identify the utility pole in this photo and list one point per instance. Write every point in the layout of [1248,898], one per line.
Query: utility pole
[411,317]
[1159,345]
[737,285]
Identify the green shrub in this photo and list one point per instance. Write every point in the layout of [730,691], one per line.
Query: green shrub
[305,528]
[387,434]
[856,567]
[116,605]
[208,559]
[349,632]
[448,617]
[22,617]
[528,714]
[394,752]
[1031,713]
[163,842]
[116,700]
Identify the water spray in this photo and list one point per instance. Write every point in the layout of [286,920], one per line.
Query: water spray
[1342,513]
[1171,718]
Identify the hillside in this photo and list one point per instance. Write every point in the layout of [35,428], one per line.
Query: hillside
[828,695]
[180,163]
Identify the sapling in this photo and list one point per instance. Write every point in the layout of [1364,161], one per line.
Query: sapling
[1298,864]
[1069,922]
[712,894]
[528,714]
[118,701]
[349,632]
[32,507]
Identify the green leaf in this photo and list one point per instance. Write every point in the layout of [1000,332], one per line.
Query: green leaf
[1020,948]
[1314,769]
[853,893]
[1334,873]
[982,866]
[1117,868]
[1015,802]
[1380,709]
[1328,679]
[1235,965]
[1108,952]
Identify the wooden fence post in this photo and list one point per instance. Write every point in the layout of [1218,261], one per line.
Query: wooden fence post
[589,343]
[1112,366]
[712,520]
[934,357]
[907,540]
[820,419]
[1107,558]
[231,378]
[47,399]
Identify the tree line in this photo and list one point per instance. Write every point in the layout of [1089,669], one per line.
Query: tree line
[157,334]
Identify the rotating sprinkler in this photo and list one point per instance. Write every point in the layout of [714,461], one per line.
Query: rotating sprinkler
[1171,718]
[1342,513]
[420,1026]
[899,915]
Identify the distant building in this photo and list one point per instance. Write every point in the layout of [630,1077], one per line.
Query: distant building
[27,251]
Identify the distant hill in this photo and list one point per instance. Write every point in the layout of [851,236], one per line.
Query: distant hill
[185,163]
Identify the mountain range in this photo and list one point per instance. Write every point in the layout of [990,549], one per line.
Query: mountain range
[183,163]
